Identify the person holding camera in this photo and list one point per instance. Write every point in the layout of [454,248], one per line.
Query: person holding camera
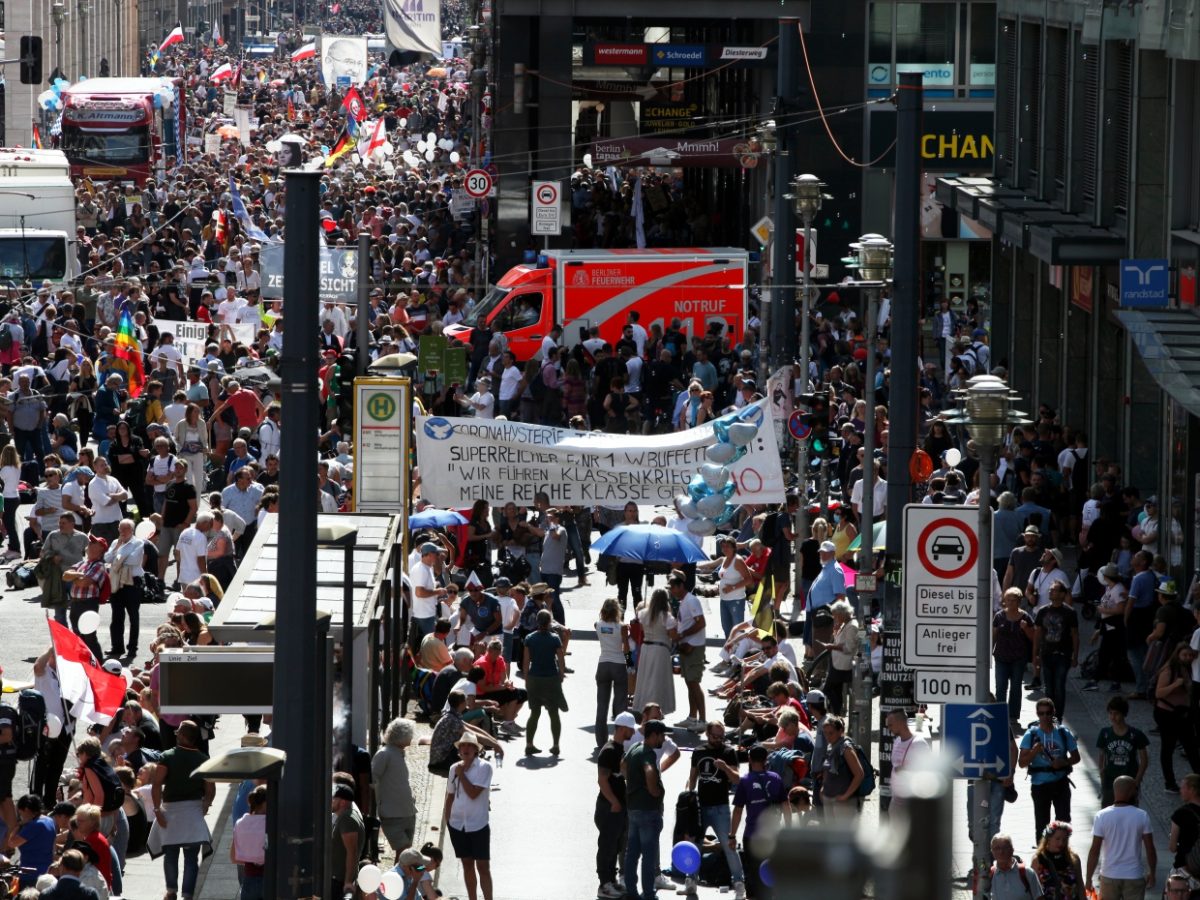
[1049,750]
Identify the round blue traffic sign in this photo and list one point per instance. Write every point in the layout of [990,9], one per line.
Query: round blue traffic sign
[799,429]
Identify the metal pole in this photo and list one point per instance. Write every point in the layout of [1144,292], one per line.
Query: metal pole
[362,334]
[800,527]
[980,813]
[866,530]
[348,647]
[783,241]
[296,710]
[896,683]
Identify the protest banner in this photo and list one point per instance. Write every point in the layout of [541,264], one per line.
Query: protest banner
[192,337]
[463,460]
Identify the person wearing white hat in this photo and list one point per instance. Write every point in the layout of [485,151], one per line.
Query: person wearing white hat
[827,588]
[611,818]
[466,812]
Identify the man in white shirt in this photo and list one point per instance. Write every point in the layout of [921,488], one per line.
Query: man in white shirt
[175,411]
[668,753]
[167,350]
[105,496]
[334,314]
[639,333]
[1127,838]
[1043,578]
[228,308]
[426,590]
[269,433]
[483,401]
[191,550]
[880,494]
[510,380]
[466,812]
[550,342]
[691,649]
[906,746]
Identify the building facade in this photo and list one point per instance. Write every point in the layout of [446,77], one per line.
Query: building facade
[1094,209]
[79,38]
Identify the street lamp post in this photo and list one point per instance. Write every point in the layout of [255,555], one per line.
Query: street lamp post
[81,64]
[58,12]
[806,197]
[988,416]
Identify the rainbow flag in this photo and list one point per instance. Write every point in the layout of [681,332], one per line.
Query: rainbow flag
[127,355]
[37,138]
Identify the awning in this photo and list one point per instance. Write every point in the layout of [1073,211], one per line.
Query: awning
[1052,235]
[1168,341]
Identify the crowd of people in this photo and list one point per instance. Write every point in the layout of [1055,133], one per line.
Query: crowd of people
[136,494]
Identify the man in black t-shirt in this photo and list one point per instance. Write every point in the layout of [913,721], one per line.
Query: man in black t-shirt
[611,819]
[1185,821]
[1056,645]
[178,513]
[714,773]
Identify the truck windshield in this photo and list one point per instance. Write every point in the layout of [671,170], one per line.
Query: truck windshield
[33,257]
[106,148]
[479,315]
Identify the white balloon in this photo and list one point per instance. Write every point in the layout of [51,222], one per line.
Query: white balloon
[454,157]
[711,506]
[421,146]
[446,144]
[431,137]
[953,457]
[391,885]
[702,526]
[742,433]
[721,454]
[403,123]
[88,622]
[54,726]
[369,878]
[429,156]
[716,477]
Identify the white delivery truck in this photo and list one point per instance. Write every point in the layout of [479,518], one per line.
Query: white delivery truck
[37,217]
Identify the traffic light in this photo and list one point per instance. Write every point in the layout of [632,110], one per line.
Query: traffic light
[31,59]
[817,418]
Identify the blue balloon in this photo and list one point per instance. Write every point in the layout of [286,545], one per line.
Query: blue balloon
[697,488]
[729,488]
[721,428]
[685,856]
[157,101]
[728,514]
[765,875]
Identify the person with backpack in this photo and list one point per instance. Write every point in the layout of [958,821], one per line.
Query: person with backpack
[1011,878]
[88,587]
[1185,826]
[760,795]
[1048,750]
[102,787]
[844,774]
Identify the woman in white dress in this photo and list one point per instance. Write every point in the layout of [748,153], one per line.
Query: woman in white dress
[655,680]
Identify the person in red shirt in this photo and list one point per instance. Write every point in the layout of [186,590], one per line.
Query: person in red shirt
[245,405]
[87,829]
[497,686]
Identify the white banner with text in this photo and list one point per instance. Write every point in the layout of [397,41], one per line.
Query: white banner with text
[463,460]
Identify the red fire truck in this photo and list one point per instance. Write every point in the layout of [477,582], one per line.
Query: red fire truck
[122,129]
[702,287]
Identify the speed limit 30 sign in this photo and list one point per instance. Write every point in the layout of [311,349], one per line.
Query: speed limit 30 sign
[478,184]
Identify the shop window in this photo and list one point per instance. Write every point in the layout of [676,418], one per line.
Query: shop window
[982,51]
[879,29]
[925,32]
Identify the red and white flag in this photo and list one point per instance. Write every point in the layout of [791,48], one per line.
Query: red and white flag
[216,33]
[376,139]
[308,51]
[223,72]
[95,695]
[175,37]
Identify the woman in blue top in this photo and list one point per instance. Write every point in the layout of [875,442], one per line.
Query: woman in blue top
[544,670]
[35,838]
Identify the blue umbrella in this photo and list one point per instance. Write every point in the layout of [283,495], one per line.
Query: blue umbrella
[436,518]
[649,543]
